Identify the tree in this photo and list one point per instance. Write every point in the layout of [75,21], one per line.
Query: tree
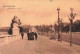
[71,18]
[77,26]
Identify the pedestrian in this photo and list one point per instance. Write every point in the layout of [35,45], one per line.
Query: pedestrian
[22,34]
[35,35]
[28,35]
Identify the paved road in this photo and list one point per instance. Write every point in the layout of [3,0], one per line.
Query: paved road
[40,46]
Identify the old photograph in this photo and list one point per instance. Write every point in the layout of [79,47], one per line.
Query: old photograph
[39,26]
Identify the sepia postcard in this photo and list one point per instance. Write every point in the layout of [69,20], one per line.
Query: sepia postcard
[39,26]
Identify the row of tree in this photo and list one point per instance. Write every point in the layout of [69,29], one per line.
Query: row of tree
[44,28]
[4,29]
[65,27]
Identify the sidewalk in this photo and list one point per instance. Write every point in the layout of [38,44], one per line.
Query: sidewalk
[8,39]
[75,48]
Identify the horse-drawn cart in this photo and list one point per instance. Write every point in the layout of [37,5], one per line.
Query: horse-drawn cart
[30,36]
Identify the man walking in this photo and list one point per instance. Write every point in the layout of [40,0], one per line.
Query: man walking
[35,35]
[22,34]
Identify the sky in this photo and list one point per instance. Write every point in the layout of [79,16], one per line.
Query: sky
[37,12]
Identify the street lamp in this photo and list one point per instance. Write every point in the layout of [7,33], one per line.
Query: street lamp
[58,9]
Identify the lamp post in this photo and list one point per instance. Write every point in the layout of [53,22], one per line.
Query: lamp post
[58,9]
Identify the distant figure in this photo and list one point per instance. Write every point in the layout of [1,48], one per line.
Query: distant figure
[21,29]
[35,35]
[22,34]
